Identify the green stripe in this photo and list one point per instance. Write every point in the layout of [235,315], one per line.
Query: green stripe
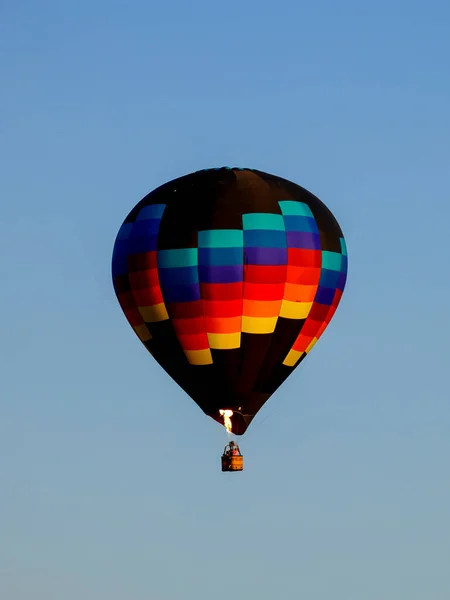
[292,207]
[263,221]
[331,260]
[221,238]
[184,257]
[343,247]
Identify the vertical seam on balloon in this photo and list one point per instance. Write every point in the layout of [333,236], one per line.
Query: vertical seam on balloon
[272,333]
[333,308]
[315,295]
[169,320]
[244,268]
[268,230]
[321,262]
[131,291]
[287,265]
[287,261]
[156,258]
[201,298]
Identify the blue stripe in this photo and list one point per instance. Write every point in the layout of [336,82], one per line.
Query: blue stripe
[152,211]
[120,258]
[324,296]
[344,264]
[146,243]
[264,237]
[305,240]
[181,293]
[150,226]
[124,231]
[220,256]
[266,256]
[225,274]
[298,223]
[177,276]
[183,257]
[329,279]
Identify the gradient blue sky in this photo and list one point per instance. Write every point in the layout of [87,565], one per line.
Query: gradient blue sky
[110,480]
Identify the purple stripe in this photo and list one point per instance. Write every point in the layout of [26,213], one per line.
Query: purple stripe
[341,281]
[220,274]
[324,296]
[266,256]
[303,239]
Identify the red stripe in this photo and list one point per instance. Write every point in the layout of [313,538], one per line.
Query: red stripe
[302,342]
[337,298]
[134,316]
[311,327]
[185,310]
[148,296]
[326,322]
[318,312]
[265,274]
[126,300]
[142,261]
[303,275]
[143,279]
[221,291]
[304,258]
[264,291]
[194,342]
[222,308]
[189,326]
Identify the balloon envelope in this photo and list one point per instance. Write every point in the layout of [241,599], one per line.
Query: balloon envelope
[229,277]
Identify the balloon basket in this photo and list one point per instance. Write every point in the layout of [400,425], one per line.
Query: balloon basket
[232,463]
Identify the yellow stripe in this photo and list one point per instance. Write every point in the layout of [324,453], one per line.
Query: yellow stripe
[199,357]
[224,341]
[292,358]
[295,310]
[259,324]
[143,333]
[311,345]
[152,314]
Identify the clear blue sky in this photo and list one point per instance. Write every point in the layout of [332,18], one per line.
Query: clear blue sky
[110,484]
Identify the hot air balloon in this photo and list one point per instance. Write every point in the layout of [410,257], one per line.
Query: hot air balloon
[229,277]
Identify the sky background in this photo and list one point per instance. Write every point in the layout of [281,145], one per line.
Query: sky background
[110,481]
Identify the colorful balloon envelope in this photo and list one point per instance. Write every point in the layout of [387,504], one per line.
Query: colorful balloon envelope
[229,277]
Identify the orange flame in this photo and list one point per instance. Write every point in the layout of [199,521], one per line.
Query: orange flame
[226,414]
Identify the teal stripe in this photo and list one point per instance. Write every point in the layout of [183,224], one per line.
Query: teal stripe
[221,238]
[343,247]
[331,260]
[263,221]
[184,257]
[292,207]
